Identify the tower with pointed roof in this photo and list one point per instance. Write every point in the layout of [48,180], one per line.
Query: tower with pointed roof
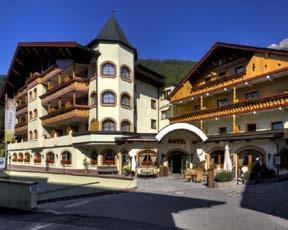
[113,87]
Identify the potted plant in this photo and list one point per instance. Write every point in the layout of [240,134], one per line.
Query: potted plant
[126,169]
[224,179]
[86,165]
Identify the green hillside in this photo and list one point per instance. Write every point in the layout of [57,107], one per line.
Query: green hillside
[173,70]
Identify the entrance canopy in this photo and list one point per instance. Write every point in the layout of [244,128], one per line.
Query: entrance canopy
[181,126]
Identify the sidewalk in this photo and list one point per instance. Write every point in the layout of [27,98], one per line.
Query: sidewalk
[57,186]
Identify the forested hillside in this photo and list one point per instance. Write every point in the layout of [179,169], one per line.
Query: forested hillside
[173,70]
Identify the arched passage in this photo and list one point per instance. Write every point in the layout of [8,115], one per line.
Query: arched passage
[181,126]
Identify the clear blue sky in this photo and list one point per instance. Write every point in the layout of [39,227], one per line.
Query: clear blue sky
[165,29]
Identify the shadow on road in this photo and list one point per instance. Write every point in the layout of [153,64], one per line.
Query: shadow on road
[131,210]
[269,198]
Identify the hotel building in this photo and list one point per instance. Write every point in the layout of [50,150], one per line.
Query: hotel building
[93,107]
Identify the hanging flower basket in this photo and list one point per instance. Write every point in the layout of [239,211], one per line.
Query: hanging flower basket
[66,162]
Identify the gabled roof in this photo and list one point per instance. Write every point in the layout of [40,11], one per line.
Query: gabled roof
[227,46]
[112,32]
[149,76]
[33,56]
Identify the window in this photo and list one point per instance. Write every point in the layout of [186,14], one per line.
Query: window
[222,74]
[153,104]
[35,134]
[125,100]
[30,115]
[252,95]
[93,98]
[165,94]
[217,157]
[20,157]
[125,72]
[50,158]
[207,79]
[108,157]
[277,125]
[164,114]
[30,135]
[30,95]
[177,141]
[14,158]
[222,130]
[108,98]
[37,158]
[108,125]
[108,69]
[251,127]
[222,102]
[153,124]
[27,157]
[125,126]
[239,69]
[66,158]
[35,92]
[35,113]
[196,107]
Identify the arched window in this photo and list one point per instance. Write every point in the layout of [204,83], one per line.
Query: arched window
[108,69]
[20,157]
[125,126]
[35,92]
[217,159]
[14,158]
[125,100]
[50,158]
[35,134]
[125,72]
[248,157]
[30,135]
[94,157]
[93,98]
[147,158]
[66,158]
[35,113]
[108,125]
[108,157]
[37,158]
[30,95]
[108,97]
[30,115]
[27,157]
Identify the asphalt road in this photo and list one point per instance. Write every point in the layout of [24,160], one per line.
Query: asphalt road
[163,203]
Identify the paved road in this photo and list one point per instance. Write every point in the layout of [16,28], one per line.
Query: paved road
[164,203]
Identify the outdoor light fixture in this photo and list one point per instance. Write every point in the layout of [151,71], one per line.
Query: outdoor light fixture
[254,112]
[280,108]
[225,89]
[207,94]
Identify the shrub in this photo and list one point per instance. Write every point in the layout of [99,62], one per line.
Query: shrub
[224,176]
[247,175]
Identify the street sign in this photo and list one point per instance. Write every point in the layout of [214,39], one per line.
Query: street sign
[2,162]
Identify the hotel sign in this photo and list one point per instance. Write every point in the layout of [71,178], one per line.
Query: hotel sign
[10,119]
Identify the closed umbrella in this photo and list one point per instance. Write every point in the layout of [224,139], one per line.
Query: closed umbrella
[227,159]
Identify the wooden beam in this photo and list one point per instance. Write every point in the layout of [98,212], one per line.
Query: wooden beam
[16,72]
[19,61]
[68,51]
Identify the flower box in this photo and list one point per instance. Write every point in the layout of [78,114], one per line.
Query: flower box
[63,162]
[37,161]
[50,161]
[20,160]
[108,162]
[27,160]
[14,160]
[93,162]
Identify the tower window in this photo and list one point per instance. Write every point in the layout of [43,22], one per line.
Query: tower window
[108,69]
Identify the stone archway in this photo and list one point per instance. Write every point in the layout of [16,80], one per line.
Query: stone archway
[246,156]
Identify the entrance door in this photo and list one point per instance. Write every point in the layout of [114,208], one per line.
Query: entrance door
[176,163]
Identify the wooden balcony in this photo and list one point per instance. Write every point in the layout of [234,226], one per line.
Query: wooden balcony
[73,85]
[21,128]
[237,108]
[66,116]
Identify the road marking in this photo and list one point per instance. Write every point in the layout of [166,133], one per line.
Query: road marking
[52,211]
[42,226]
[77,204]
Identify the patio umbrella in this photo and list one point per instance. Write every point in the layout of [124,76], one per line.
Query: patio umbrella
[227,159]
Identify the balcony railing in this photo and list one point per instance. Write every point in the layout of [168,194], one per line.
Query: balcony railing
[21,127]
[73,113]
[245,106]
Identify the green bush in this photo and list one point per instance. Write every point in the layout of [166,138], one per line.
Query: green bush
[247,175]
[224,176]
